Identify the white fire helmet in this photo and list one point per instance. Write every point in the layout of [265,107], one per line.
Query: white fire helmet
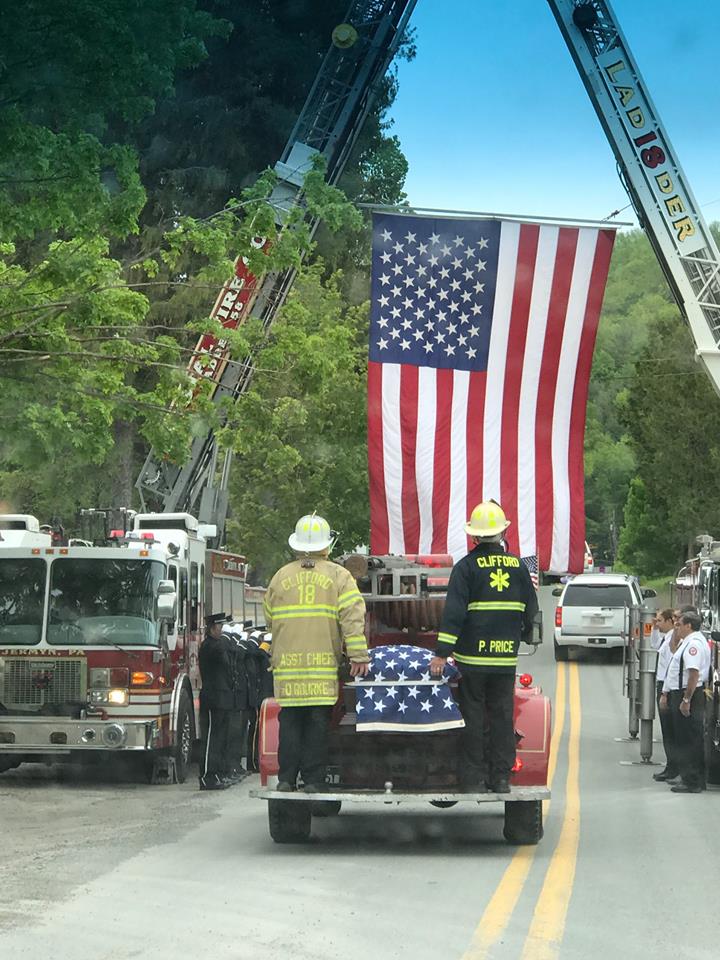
[312,534]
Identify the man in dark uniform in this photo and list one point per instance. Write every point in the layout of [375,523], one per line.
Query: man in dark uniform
[216,703]
[248,660]
[490,606]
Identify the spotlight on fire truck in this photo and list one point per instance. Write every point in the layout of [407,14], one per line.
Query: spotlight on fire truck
[525,679]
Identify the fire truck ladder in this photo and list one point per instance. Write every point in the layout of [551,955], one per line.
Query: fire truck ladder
[651,173]
[329,124]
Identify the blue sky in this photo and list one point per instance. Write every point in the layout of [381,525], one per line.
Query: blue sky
[493,117]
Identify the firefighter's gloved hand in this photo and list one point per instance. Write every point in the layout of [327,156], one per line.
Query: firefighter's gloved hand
[359,669]
[437,665]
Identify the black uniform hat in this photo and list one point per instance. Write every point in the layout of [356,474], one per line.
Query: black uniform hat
[212,618]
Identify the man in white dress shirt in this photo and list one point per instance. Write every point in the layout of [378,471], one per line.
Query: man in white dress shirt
[661,640]
[683,692]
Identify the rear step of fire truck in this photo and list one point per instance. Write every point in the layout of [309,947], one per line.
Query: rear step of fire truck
[290,814]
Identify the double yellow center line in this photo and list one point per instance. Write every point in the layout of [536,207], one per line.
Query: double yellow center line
[548,922]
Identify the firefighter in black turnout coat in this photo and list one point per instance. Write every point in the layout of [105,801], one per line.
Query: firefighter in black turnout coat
[217,700]
[490,606]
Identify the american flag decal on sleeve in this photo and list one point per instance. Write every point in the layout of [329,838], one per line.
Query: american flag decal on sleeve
[481,341]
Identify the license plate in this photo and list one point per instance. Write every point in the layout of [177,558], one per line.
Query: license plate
[597,639]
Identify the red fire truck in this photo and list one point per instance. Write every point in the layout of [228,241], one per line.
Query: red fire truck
[99,643]
[405,598]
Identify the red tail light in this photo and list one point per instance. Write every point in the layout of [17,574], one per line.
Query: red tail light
[525,679]
[558,616]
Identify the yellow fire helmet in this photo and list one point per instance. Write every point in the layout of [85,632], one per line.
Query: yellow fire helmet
[312,534]
[487,520]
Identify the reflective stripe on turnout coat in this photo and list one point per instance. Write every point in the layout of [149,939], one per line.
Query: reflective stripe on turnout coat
[313,608]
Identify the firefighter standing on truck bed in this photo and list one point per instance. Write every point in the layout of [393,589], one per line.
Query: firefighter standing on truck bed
[313,607]
[490,606]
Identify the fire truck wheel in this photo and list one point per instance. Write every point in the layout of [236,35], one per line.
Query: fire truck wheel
[185,737]
[289,820]
[325,808]
[7,764]
[443,804]
[523,822]
[561,653]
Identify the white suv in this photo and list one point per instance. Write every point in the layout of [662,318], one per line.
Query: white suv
[591,611]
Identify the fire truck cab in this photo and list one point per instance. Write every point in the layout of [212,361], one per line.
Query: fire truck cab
[99,642]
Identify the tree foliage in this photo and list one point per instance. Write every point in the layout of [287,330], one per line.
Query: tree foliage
[132,146]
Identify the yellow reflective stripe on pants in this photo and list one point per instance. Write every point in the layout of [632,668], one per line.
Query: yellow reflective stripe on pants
[486,661]
[497,605]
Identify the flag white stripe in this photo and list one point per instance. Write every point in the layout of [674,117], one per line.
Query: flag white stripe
[532,361]
[562,412]
[495,382]
[456,539]
[392,454]
[425,453]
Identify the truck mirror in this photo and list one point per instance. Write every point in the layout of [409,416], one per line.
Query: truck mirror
[715,635]
[537,630]
[648,594]
[166,602]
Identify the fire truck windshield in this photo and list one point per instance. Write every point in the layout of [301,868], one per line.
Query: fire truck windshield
[103,602]
[22,592]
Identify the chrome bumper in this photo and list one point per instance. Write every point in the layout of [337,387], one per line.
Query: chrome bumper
[60,735]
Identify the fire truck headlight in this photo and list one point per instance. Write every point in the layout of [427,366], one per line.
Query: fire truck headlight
[118,697]
[114,735]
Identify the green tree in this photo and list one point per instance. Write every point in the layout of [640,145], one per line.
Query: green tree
[636,293]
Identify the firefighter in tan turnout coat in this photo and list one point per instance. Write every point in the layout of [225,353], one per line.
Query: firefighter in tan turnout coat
[315,610]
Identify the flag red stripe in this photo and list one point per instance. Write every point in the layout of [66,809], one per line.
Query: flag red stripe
[379,528]
[514,362]
[576,466]
[557,309]
[474,441]
[408,433]
[441,481]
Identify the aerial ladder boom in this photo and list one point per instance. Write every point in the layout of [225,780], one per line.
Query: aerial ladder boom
[651,172]
[328,125]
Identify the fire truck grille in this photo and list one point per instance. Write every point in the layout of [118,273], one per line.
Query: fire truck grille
[32,683]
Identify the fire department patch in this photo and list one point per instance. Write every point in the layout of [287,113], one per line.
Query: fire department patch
[693,651]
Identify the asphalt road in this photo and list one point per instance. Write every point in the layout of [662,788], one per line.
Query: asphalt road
[124,871]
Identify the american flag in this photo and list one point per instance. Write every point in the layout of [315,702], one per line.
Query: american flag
[399,694]
[481,341]
[532,565]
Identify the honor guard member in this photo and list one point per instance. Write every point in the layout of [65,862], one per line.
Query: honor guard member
[490,606]
[683,694]
[216,703]
[314,609]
